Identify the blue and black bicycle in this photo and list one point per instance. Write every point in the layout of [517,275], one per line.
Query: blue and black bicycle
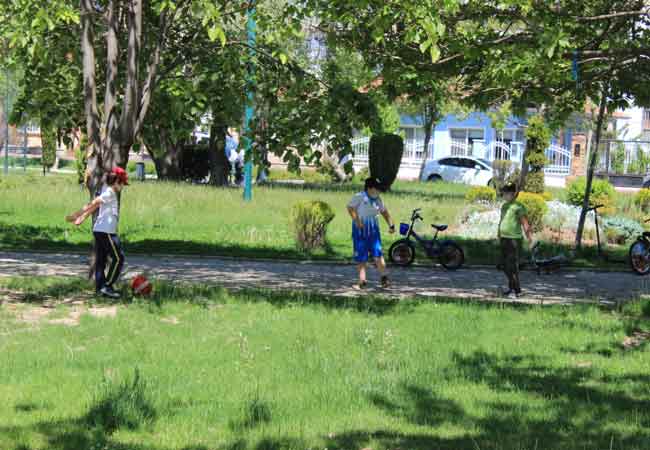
[447,252]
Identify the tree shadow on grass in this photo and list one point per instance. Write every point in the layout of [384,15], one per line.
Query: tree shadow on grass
[72,434]
[569,408]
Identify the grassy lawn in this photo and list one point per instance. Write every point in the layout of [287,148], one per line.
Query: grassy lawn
[198,368]
[189,219]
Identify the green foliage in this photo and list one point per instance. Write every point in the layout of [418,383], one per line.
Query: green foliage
[617,159]
[641,163]
[502,170]
[149,167]
[385,156]
[538,138]
[642,200]
[81,160]
[602,193]
[48,137]
[535,182]
[621,229]
[309,220]
[536,209]
[389,118]
[363,174]
[481,194]
[195,162]
[123,405]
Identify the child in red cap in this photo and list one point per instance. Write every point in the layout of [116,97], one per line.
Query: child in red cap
[107,243]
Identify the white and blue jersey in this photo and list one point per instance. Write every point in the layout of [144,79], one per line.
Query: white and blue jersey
[366,241]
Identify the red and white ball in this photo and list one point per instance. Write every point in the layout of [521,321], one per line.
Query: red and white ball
[141,285]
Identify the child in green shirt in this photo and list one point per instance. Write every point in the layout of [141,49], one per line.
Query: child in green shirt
[513,219]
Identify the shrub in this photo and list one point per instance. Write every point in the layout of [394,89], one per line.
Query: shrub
[363,174]
[481,225]
[536,209]
[502,169]
[642,200]
[481,194]
[562,216]
[48,138]
[385,156]
[534,182]
[81,160]
[121,405]
[620,229]
[538,138]
[602,193]
[309,220]
[195,162]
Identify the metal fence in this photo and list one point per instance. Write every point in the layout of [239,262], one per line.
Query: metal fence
[624,157]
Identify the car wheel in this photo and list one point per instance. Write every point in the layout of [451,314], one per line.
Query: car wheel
[435,178]
[646,185]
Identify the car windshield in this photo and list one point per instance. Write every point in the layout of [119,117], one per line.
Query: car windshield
[485,161]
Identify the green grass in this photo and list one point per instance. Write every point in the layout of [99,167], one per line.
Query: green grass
[270,371]
[180,218]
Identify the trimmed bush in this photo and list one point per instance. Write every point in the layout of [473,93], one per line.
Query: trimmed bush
[481,194]
[535,182]
[48,157]
[538,138]
[536,209]
[642,200]
[309,220]
[385,156]
[602,193]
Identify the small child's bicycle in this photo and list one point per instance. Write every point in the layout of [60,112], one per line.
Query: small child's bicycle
[640,253]
[447,252]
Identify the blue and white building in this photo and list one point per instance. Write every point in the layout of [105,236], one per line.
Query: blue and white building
[471,135]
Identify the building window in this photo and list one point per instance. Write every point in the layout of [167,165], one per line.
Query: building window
[467,141]
[576,150]
[646,119]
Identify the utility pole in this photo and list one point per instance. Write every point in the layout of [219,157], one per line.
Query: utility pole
[7,121]
[250,102]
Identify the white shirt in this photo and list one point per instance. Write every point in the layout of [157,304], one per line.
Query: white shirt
[367,208]
[108,216]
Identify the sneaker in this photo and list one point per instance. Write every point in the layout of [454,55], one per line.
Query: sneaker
[510,294]
[361,285]
[108,291]
[385,282]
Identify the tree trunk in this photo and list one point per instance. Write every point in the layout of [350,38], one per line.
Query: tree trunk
[217,155]
[593,158]
[428,130]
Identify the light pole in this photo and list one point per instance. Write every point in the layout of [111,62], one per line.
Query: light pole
[250,103]
[7,122]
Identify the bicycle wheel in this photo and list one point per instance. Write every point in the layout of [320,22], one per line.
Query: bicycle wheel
[451,255]
[402,253]
[640,257]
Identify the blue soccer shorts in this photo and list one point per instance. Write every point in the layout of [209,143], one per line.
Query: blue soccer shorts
[366,241]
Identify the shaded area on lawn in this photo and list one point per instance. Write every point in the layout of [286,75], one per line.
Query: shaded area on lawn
[483,252]
[584,409]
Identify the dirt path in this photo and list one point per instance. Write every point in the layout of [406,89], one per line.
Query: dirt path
[562,287]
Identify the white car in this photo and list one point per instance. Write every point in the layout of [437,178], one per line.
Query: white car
[459,169]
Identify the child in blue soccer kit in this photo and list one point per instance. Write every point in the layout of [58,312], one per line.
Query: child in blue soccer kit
[366,237]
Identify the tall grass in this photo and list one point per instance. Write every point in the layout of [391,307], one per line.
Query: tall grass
[181,218]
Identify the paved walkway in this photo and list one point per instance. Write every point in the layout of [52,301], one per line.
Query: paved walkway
[561,287]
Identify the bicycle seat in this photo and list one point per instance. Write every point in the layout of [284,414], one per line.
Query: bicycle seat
[439,227]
